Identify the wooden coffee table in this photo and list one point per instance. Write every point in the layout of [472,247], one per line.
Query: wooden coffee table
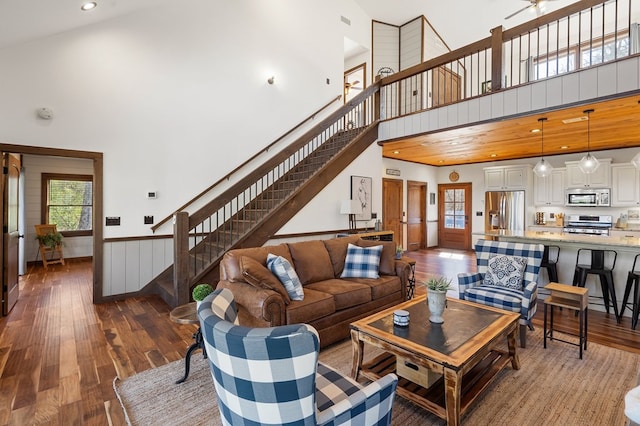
[463,350]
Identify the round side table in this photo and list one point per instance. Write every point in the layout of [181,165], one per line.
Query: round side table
[188,314]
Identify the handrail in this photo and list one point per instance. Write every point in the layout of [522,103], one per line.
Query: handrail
[222,199]
[253,157]
[507,58]
[247,208]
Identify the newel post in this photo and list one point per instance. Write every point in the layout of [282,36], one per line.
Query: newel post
[376,101]
[181,257]
[496,59]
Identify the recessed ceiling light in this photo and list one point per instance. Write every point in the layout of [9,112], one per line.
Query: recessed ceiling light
[493,155]
[564,147]
[89,5]
[575,120]
[535,130]
[396,152]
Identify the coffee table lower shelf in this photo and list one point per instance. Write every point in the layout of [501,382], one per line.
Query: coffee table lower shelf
[433,399]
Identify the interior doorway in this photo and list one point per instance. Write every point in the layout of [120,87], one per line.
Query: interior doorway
[97,163]
[416,215]
[454,212]
[392,212]
[355,79]
[11,232]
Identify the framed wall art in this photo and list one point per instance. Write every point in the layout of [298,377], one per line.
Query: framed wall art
[361,187]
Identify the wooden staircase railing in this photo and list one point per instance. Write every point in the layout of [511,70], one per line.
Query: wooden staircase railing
[250,211]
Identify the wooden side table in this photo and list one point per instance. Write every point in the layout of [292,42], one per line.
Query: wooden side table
[412,278]
[570,297]
[188,314]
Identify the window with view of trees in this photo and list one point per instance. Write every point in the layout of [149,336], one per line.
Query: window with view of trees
[67,202]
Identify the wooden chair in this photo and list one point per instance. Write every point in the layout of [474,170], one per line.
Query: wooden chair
[45,250]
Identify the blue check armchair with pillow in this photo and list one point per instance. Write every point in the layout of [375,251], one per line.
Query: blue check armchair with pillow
[271,375]
[506,278]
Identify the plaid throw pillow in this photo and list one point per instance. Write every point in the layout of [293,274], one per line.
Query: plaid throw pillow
[282,269]
[505,271]
[362,262]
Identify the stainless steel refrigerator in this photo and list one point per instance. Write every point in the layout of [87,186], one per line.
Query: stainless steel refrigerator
[504,210]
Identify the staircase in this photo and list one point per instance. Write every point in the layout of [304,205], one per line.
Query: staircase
[252,210]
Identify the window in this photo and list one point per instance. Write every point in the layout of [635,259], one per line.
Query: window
[454,208]
[67,202]
[611,50]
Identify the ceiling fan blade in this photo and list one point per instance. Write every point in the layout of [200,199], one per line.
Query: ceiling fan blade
[521,10]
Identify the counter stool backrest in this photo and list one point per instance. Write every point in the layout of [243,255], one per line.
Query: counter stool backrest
[599,259]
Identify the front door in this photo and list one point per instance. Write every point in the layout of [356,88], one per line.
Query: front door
[454,212]
[10,235]
[392,208]
[416,215]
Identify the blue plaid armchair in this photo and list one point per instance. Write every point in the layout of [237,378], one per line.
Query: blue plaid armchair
[271,376]
[523,299]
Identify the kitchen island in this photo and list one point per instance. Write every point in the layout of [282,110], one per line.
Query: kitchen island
[627,248]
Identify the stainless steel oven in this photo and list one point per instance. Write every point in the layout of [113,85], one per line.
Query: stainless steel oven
[588,224]
[588,197]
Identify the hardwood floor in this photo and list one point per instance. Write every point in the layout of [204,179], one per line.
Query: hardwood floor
[59,353]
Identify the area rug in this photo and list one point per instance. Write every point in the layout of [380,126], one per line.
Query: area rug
[553,386]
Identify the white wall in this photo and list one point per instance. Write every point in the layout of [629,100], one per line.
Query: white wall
[33,167]
[174,96]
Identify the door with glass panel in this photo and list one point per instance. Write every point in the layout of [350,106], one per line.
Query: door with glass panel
[454,212]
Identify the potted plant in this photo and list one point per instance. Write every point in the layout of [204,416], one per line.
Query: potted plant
[399,252]
[437,296]
[51,240]
[200,292]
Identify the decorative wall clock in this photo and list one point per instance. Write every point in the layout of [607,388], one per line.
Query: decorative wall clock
[454,176]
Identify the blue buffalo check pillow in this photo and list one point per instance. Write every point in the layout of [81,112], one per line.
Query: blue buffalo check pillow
[281,268]
[362,262]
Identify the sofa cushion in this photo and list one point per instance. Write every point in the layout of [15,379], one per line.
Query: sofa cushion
[388,256]
[230,269]
[362,262]
[259,276]
[381,287]
[345,293]
[337,249]
[311,261]
[505,271]
[316,304]
[282,269]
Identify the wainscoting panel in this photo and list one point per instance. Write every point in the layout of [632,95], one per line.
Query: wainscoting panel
[129,265]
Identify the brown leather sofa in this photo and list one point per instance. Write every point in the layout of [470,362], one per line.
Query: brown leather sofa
[330,303]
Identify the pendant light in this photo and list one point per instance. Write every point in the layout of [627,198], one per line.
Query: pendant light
[588,163]
[542,168]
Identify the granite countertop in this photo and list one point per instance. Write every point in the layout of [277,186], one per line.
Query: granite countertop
[562,237]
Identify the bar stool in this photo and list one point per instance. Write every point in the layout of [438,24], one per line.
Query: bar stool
[550,264]
[604,272]
[633,280]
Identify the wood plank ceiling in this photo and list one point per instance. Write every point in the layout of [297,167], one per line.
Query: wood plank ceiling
[613,124]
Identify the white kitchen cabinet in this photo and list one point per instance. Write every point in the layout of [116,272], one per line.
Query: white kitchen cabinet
[506,177]
[549,191]
[601,178]
[625,189]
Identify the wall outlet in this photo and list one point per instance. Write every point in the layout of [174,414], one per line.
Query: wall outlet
[112,221]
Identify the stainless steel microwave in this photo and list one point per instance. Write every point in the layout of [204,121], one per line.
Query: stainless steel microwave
[588,197]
